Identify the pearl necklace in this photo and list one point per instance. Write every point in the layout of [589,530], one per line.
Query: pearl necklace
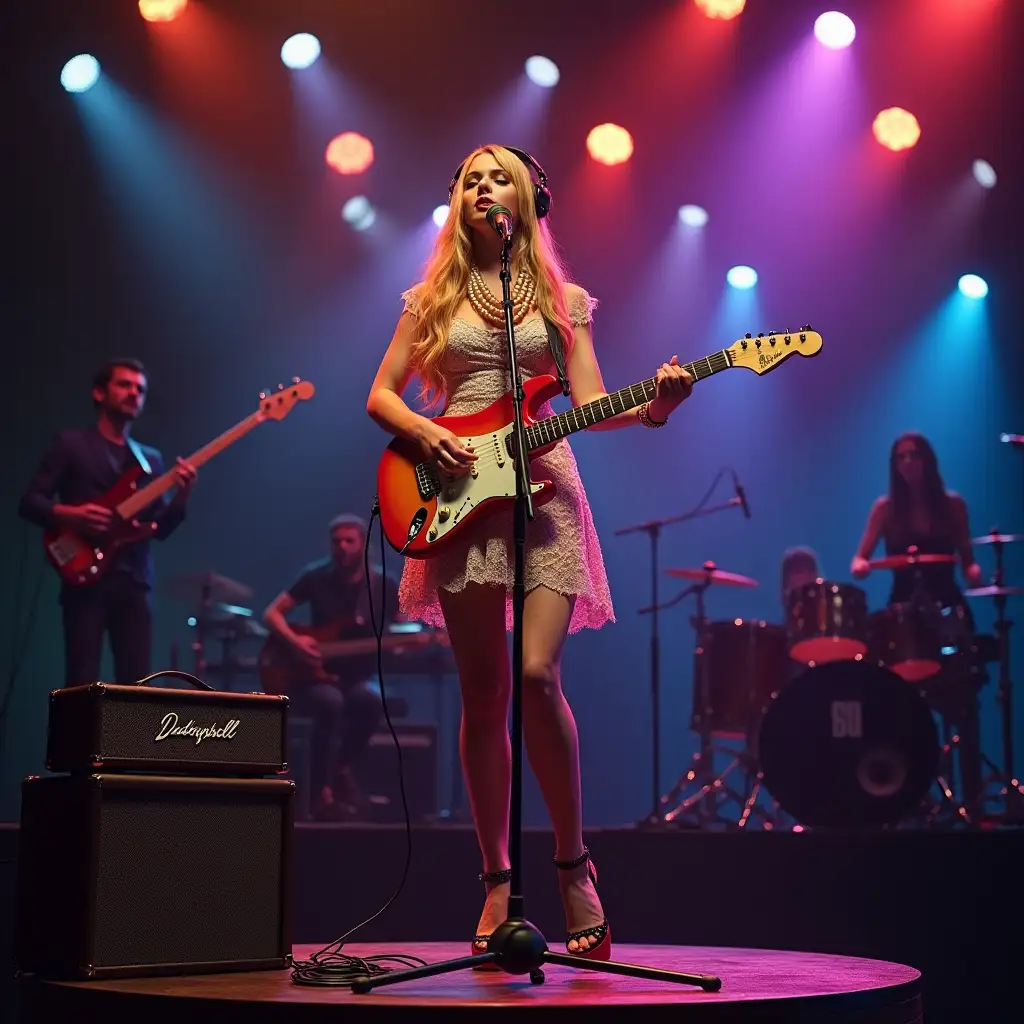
[489,307]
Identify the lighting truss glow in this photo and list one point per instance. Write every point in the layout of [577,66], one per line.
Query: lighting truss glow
[349,153]
[161,10]
[80,73]
[610,144]
[742,277]
[984,173]
[693,216]
[834,30]
[972,286]
[542,71]
[440,214]
[896,129]
[300,51]
[359,213]
[722,9]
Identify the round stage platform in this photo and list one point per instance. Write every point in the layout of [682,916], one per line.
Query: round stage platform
[757,985]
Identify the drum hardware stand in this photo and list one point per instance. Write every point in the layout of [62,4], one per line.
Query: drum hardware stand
[949,800]
[653,530]
[1011,788]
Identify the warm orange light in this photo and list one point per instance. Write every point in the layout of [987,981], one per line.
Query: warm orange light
[349,153]
[724,10]
[896,128]
[161,10]
[610,144]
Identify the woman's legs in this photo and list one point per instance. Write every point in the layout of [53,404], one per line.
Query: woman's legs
[552,745]
[475,619]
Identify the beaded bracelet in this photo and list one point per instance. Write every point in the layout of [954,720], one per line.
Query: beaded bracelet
[644,415]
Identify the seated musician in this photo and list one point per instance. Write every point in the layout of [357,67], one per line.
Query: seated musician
[347,709]
[799,567]
[919,512]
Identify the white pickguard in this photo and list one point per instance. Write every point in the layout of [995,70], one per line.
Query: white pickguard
[493,476]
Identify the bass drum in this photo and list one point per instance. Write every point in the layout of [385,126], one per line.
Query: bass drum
[848,743]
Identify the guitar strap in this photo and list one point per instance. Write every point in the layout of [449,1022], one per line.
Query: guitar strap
[140,458]
[558,354]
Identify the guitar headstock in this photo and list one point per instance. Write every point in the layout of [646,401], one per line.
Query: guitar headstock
[277,404]
[766,351]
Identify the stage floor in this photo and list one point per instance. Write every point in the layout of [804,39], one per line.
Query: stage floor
[757,985]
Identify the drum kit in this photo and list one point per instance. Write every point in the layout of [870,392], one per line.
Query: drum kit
[832,708]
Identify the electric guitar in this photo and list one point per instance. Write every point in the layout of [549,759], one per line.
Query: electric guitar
[282,668]
[81,561]
[421,510]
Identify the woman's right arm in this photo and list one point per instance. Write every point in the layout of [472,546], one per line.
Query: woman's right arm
[869,541]
[386,406]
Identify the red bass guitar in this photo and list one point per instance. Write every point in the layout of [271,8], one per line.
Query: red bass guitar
[81,561]
[421,511]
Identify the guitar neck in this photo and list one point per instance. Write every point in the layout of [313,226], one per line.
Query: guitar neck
[141,499]
[368,645]
[579,417]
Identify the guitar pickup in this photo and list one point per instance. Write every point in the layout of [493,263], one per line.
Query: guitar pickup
[428,480]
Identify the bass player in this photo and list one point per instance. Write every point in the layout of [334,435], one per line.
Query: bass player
[345,709]
[80,465]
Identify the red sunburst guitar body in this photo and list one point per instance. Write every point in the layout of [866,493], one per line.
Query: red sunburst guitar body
[422,511]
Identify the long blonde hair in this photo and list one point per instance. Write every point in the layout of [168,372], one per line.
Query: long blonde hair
[446,279]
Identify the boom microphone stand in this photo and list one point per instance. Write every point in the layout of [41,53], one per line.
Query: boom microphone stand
[653,529]
[517,946]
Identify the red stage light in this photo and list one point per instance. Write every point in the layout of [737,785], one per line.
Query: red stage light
[896,128]
[724,10]
[161,10]
[610,144]
[349,153]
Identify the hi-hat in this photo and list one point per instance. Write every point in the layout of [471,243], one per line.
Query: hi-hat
[907,560]
[999,538]
[710,574]
[993,591]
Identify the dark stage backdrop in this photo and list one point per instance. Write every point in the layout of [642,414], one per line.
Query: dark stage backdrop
[181,212]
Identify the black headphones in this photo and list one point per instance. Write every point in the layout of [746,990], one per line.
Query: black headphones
[541,195]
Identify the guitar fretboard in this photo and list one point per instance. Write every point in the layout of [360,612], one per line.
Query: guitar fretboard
[144,497]
[580,417]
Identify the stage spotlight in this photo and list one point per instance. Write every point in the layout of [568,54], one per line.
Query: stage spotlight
[693,216]
[440,215]
[896,128]
[359,213]
[972,286]
[161,10]
[742,277]
[80,73]
[300,51]
[723,10]
[834,30]
[610,144]
[349,153]
[984,173]
[542,71]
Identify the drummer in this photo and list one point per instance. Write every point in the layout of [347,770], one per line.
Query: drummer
[919,512]
[799,567]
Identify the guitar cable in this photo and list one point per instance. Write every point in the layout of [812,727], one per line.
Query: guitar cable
[329,966]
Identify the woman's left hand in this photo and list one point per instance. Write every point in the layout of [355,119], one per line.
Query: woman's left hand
[673,385]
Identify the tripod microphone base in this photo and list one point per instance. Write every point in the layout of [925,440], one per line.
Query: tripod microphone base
[518,947]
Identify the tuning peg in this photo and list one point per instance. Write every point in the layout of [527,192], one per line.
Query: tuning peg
[747,335]
[760,334]
[295,380]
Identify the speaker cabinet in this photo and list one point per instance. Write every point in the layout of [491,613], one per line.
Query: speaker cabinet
[377,773]
[152,874]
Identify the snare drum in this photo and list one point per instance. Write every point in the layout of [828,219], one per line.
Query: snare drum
[907,638]
[827,621]
[738,666]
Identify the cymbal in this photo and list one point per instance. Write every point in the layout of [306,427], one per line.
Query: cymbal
[999,538]
[710,574]
[993,591]
[197,586]
[905,561]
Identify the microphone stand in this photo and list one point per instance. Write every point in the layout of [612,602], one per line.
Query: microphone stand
[653,530]
[517,946]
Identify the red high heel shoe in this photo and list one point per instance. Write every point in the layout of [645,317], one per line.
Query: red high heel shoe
[600,936]
[479,943]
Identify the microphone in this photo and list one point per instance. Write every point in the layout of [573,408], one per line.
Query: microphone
[741,495]
[500,218]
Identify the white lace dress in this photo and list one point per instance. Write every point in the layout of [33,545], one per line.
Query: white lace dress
[562,549]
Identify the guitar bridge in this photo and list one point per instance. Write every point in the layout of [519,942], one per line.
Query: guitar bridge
[428,480]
